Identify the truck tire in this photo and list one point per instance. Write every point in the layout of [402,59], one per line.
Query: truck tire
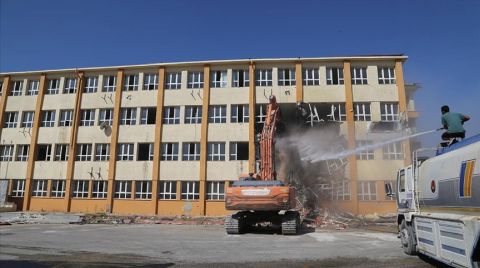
[407,237]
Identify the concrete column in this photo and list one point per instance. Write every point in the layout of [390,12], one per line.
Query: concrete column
[299,82]
[251,120]
[204,137]
[3,100]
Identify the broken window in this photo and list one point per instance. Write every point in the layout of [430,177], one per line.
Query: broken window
[239,113]
[80,189]
[367,191]
[99,189]
[18,188]
[362,111]
[333,111]
[48,119]
[128,116]
[168,190]
[359,76]
[109,83]
[169,151]
[150,82]
[39,188]
[366,154]
[33,88]
[145,152]
[389,111]
[52,86]
[58,188]
[131,82]
[84,152]
[125,152]
[216,151]
[105,117]
[193,114]
[22,152]
[311,77]
[263,77]
[44,152]
[143,189]
[16,88]
[215,190]
[173,81]
[190,190]
[195,80]
[241,78]
[66,118]
[386,75]
[238,151]
[148,115]
[87,117]
[217,114]
[171,115]
[27,119]
[102,152]
[286,77]
[335,76]
[61,152]
[6,153]
[219,79]
[123,189]
[393,151]
[91,84]
[191,151]
[10,120]
[341,190]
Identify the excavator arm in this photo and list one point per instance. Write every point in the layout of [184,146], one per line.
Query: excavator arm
[267,141]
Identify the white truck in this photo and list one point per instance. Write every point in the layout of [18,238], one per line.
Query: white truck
[438,202]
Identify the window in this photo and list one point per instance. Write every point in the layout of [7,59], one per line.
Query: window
[263,77]
[311,77]
[10,120]
[145,152]
[171,115]
[99,189]
[128,116]
[393,185]
[84,152]
[388,111]
[219,78]
[91,84]
[286,77]
[58,188]
[52,86]
[215,190]
[393,151]
[174,81]
[143,189]
[39,188]
[216,151]
[33,88]
[61,152]
[105,117]
[359,76]
[217,114]
[239,113]
[6,152]
[195,80]
[66,118]
[18,188]
[362,112]
[44,152]
[70,86]
[27,119]
[193,114]
[22,152]
[241,78]
[190,190]
[191,151]
[168,190]
[102,152]
[88,118]
[131,82]
[386,75]
[123,189]
[16,89]
[169,151]
[337,112]
[1,87]
[238,151]
[150,82]
[109,83]
[80,189]
[367,153]
[260,115]
[125,152]
[48,119]
[335,76]
[367,191]
[341,190]
[148,115]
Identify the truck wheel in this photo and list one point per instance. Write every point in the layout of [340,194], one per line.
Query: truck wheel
[407,237]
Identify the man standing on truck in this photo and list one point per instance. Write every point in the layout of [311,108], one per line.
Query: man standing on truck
[453,123]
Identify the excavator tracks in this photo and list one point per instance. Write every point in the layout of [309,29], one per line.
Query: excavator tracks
[290,223]
[232,225]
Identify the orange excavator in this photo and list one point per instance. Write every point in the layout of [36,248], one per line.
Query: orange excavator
[259,197]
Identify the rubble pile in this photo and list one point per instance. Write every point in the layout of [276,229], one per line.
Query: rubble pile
[103,218]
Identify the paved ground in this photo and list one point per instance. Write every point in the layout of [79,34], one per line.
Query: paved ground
[196,245]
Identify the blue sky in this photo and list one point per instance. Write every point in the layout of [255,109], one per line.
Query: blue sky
[441,38]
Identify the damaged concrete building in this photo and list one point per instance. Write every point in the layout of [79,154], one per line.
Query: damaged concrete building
[167,138]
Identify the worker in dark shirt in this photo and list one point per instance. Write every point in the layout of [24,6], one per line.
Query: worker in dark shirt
[453,123]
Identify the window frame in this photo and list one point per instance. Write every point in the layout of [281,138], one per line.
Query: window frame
[217,114]
[234,113]
[39,188]
[218,79]
[23,151]
[16,88]
[84,152]
[109,83]
[58,188]
[216,151]
[169,151]
[126,151]
[167,190]
[91,84]
[18,188]
[130,85]
[87,117]
[27,119]
[195,79]
[102,152]
[311,76]
[386,75]
[11,119]
[186,151]
[173,80]
[190,190]
[123,190]
[335,76]
[128,116]
[66,118]
[263,77]
[365,192]
[362,111]
[99,192]
[61,152]
[48,118]
[150,81]
[242,80]
[70,86]
[170,118]
[359,76]
[53,86]
[33,87]
[286,76]
[80,188]
[143,190]
[215,190]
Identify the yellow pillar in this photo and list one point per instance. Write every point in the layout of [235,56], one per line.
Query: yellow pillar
[3,100]
[299,82]
[352,160]
[158,139]
[33,142]
[114,139]
[402,105]
[204,137]
[251,120]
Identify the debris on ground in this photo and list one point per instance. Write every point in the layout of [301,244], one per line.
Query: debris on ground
[103,218]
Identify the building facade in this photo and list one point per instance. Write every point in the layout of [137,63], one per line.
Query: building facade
[167,139]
